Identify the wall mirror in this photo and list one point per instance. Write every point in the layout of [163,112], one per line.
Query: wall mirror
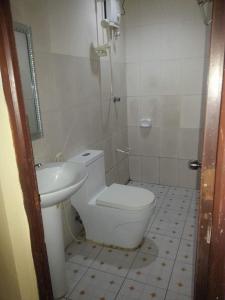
[23,38]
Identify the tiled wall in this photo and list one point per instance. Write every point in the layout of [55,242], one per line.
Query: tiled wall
[165,45]
[74,85]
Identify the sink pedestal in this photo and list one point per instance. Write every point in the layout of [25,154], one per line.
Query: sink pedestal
[53,231]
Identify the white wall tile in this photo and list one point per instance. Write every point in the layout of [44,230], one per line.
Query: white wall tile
[132,13]
[152,11]
[150,169]
[150,78]
[192,76]
[123,171]
[133,111]
[169,142]
[74,85]
[170,111]
[192,40]
[188,143]
[170,80]
[133,79]
[111,176]
[135,167]
[134,140]
[70,19]
[170,36]
[168,83]
[149,139]
[133,44]
[120,141]
[187,177]
[109,153]
[104,80]
[150,42]
[149,107]
[168,171]
[190,111]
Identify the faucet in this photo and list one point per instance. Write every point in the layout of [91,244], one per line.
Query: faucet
[38,165]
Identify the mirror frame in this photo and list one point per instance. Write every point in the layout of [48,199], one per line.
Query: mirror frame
[19,27]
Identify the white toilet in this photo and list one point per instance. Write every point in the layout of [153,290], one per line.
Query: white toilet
[117,215]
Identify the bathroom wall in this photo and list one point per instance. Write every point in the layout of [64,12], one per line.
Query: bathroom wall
[74,85]
[165,45]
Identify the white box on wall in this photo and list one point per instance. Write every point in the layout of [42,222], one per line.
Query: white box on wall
[113,10]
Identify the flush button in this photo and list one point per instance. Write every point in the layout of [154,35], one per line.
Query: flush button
[86,154]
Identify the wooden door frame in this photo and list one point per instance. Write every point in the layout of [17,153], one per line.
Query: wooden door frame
[22,142]
[209,281]
[209,276]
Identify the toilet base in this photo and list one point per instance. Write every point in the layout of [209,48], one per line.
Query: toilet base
[117,247]
[117,228]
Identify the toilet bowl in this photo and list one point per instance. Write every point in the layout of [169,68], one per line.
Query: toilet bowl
[117,215]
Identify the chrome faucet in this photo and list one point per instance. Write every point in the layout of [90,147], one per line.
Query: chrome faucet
[38,165]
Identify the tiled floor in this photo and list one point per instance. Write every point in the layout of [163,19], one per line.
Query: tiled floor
[161,269]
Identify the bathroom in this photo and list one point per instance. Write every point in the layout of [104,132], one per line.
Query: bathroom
[131,90]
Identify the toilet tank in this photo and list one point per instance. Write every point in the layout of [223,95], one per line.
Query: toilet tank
[94,162]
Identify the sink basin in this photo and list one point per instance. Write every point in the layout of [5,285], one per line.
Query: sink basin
[58,181]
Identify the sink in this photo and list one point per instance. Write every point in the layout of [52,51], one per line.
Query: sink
[58,181]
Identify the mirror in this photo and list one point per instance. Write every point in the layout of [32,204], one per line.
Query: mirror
[23,38]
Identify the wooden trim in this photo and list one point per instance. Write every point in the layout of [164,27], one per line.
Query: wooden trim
[216,283]
[212,114]
[22,142]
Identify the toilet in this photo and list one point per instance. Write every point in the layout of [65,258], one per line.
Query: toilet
[117,215]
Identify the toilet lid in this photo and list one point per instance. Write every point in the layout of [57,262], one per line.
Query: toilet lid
[125,197]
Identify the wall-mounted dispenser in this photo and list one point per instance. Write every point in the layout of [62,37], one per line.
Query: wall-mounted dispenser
[145,123]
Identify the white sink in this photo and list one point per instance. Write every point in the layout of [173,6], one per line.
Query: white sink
[58,181]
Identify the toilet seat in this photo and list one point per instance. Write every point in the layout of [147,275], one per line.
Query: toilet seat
[125,197]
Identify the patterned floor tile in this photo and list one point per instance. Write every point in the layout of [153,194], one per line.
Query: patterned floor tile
[194,206]
[182,279]
[132,290]
[174,296]
[172,229]
[96,285]
[114,261]
[159,245]
[186,252]
[158,190]
[83,253]
[171,215]
[150,269]
[192,217]
[177,207]
[177,200]
[173,191]
[152,220]
[74,272]
[189,232]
